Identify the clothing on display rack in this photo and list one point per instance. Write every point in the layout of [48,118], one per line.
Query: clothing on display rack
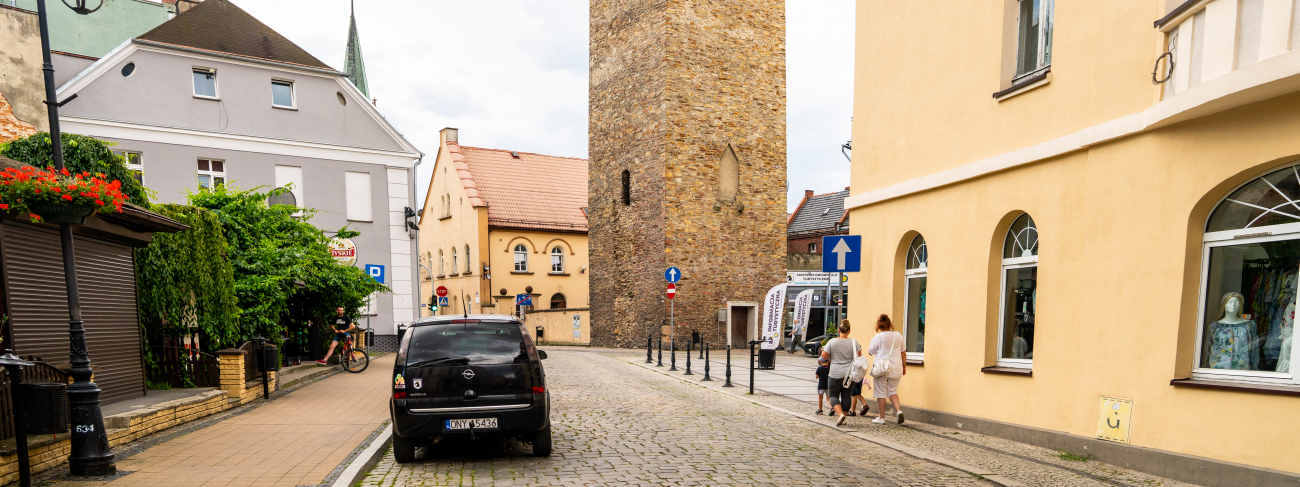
[1271,291]
[1232,346]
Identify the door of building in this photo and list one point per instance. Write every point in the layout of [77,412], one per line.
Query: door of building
[739,326]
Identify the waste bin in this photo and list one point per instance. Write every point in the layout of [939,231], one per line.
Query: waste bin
[270,358]
[45,405]
[370,338]
[767,359]
[540,333]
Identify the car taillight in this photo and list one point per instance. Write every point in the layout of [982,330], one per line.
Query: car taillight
[399,395]
[539,390]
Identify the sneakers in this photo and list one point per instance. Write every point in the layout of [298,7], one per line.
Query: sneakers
[819,412]
[841,421]
[878,420]
[900,417]
[864,411]
[322,362]
[851,413]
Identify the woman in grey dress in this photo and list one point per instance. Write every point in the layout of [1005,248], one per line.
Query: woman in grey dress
[841,352]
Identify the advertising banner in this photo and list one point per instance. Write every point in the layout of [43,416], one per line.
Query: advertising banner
[773,310]
[802,307]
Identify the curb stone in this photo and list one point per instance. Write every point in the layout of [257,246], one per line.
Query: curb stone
[977,472]
[365,460]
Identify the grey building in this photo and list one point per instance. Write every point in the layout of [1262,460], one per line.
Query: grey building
[214,96]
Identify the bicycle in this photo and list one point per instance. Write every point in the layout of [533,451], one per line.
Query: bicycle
[351,359]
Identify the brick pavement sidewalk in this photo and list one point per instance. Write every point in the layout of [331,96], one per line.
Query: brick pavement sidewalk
[296,439]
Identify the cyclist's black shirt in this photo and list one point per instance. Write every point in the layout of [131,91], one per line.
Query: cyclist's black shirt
[341,322]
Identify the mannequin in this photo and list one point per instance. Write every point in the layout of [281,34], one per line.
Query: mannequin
[1233,339]
[1287,333]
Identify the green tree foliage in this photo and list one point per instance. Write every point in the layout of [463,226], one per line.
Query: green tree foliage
[283,269]
[80,154]
[186,278]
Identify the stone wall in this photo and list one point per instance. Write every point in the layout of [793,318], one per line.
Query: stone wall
[673,85]
[22,87]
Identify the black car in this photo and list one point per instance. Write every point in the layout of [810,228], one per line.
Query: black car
[469,376]
[814,345]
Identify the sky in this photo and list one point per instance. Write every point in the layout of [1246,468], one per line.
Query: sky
[512,74]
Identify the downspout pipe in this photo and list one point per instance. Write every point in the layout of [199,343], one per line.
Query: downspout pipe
[415,289]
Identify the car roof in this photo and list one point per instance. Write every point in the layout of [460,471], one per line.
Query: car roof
[461,318]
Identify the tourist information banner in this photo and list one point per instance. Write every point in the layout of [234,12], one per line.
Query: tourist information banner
[773,310]
[802,308]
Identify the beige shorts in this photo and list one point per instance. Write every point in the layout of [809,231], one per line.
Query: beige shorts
[883,387]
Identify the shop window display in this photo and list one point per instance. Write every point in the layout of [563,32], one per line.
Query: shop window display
[1251,262]
[915,280]
[1019,294]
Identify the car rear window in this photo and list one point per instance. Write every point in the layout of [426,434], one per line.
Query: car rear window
[466,344]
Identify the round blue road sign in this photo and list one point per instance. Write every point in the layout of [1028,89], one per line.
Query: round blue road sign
[673,274]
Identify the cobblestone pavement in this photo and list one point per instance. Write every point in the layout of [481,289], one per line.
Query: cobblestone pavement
[615,423]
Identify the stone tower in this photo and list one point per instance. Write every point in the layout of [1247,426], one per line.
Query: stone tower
[687,162]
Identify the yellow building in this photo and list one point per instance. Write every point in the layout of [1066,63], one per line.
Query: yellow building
[498,224]
[1166,208]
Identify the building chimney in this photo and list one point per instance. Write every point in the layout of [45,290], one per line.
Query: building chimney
[807,193]
[450,135]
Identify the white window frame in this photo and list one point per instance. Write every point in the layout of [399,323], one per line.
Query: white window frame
[212,175]
[293,94]
[455,263]
[469,266]
[358,196]
[1046,12]
[516,255]
[1229,238]
[908,276]
[442,264]
[134,168]
[1010,264]
[554,255]
[216,84]
[812,248]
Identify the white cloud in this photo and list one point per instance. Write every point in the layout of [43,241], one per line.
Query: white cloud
[512,74]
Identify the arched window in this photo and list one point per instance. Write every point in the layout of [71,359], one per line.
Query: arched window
[442,271]
[812,248]
[627,187]
[521,258]
[914,283]
[454,265]
[1250,255]
[557,301]
[1019,294]
[557,260]
[469,266]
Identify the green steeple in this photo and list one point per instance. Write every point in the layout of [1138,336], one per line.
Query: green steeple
[355,65]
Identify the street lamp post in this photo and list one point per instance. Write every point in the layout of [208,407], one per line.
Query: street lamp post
[90,454]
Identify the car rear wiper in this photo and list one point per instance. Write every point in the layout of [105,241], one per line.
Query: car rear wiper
[444,360]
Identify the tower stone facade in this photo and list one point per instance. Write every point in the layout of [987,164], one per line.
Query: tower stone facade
[687,134]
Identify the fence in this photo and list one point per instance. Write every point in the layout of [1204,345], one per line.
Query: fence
[40,372]
[176,364]
[251,360]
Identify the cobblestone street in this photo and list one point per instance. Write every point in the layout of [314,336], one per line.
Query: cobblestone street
[619,424]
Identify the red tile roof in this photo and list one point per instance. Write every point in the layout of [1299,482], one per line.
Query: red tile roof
[531,191]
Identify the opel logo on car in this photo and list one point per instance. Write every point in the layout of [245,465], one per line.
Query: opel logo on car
[468,374]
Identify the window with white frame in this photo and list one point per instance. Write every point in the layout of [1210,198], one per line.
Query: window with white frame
[812,248]
[356,190]
[282,93]
[914,284]
[468,267]
[557,260]
[133,162]
[454,264]
[442,271]
[1019,294]
[205,82]
[211,173]
[1034,37]
[1250,258]
[521,258]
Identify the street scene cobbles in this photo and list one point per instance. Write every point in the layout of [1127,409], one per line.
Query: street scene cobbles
[616,422]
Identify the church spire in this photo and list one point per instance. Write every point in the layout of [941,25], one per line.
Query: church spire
[354,65]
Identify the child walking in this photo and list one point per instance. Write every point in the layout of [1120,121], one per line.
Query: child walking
[823,372]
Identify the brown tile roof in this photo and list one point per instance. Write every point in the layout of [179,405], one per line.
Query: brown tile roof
[220,26]
[532,191]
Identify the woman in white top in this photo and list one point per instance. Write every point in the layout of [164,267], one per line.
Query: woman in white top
[888,344]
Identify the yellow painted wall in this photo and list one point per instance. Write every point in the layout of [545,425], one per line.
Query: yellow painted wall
[1120,222]
[557,325]
[544,282]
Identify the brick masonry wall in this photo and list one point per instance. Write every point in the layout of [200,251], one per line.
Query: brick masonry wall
[799,245]
[673,83]
[22,86]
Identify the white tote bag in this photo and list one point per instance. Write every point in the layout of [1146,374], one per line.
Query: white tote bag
[884,364]
[860,367]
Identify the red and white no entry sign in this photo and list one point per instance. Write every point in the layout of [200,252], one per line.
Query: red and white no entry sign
[442,291]
[672,290]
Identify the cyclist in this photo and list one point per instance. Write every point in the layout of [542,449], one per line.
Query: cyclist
[342,325]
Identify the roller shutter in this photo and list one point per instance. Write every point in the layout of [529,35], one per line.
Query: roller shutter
[33,261]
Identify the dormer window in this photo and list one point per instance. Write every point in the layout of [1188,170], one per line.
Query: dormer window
[205,83]
[282,94]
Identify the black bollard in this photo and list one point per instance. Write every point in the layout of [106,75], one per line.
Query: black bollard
[706,362]
[649,347]
[701,357]
[672,351]
[728,384]
[751,365]
[688,359]
[661,351]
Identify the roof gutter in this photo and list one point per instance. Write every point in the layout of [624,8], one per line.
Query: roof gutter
[237,57]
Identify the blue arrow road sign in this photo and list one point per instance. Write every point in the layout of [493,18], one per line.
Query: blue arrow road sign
[376,271]
[842,253]
[673,274]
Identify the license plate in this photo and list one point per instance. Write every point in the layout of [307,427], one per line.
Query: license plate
[477,423]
